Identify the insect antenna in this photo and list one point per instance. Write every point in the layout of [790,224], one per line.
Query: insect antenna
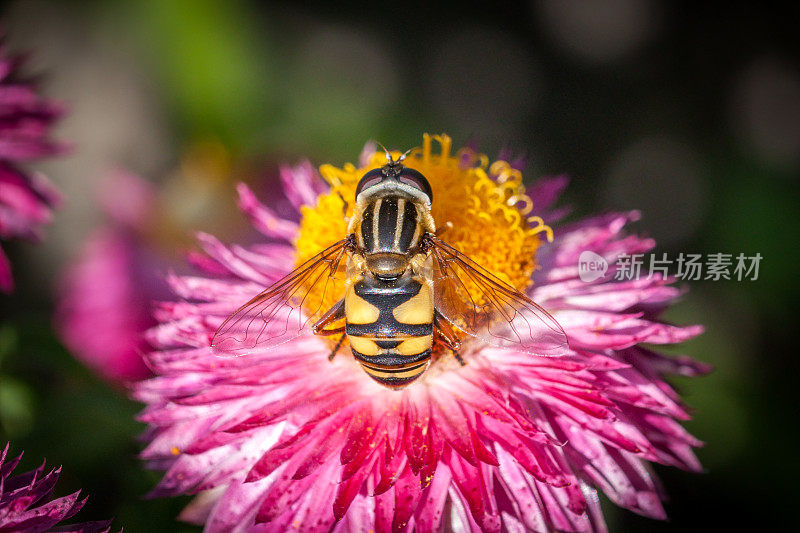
[402,157]
[389,158]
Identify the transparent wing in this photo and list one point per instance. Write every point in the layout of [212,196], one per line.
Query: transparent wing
[482,305]
[279,313]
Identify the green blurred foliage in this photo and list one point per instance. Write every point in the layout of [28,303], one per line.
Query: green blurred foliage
[240,75]
[70,418]
[216,71]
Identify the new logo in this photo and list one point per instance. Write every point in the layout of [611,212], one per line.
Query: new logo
[591,266]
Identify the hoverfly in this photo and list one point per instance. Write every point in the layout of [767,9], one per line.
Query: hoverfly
[406,294]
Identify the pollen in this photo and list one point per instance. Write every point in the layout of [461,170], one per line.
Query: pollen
[480,208]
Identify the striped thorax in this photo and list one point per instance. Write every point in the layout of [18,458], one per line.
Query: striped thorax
[389,308]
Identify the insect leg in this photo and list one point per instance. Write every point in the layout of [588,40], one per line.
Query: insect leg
[445,329]
[447,336]
[345,204]
[336,348]
[334,314]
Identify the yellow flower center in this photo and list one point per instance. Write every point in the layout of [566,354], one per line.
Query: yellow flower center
[481,209]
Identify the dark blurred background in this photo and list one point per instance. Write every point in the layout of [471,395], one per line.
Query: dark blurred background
[689,112]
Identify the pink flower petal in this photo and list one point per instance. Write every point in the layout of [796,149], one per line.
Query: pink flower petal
[284,439]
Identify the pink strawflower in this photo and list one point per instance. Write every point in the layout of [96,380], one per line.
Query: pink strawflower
[26,504]
[106,295]
[283,439]
[26,198]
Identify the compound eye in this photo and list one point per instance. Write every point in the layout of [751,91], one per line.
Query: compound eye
[409,176]
[373,177]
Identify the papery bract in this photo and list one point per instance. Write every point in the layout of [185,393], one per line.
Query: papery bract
[26,504]
[283,439]
[106,294]
[26,198]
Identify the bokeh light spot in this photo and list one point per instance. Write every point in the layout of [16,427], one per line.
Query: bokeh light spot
[482,82]
[662,178]
[765,111]
[599,32]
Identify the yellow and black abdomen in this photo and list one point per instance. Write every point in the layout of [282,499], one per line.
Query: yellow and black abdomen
[390,327]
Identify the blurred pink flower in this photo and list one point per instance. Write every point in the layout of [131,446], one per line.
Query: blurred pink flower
[106,295]
[26,199]
[284,439]
[25,503]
